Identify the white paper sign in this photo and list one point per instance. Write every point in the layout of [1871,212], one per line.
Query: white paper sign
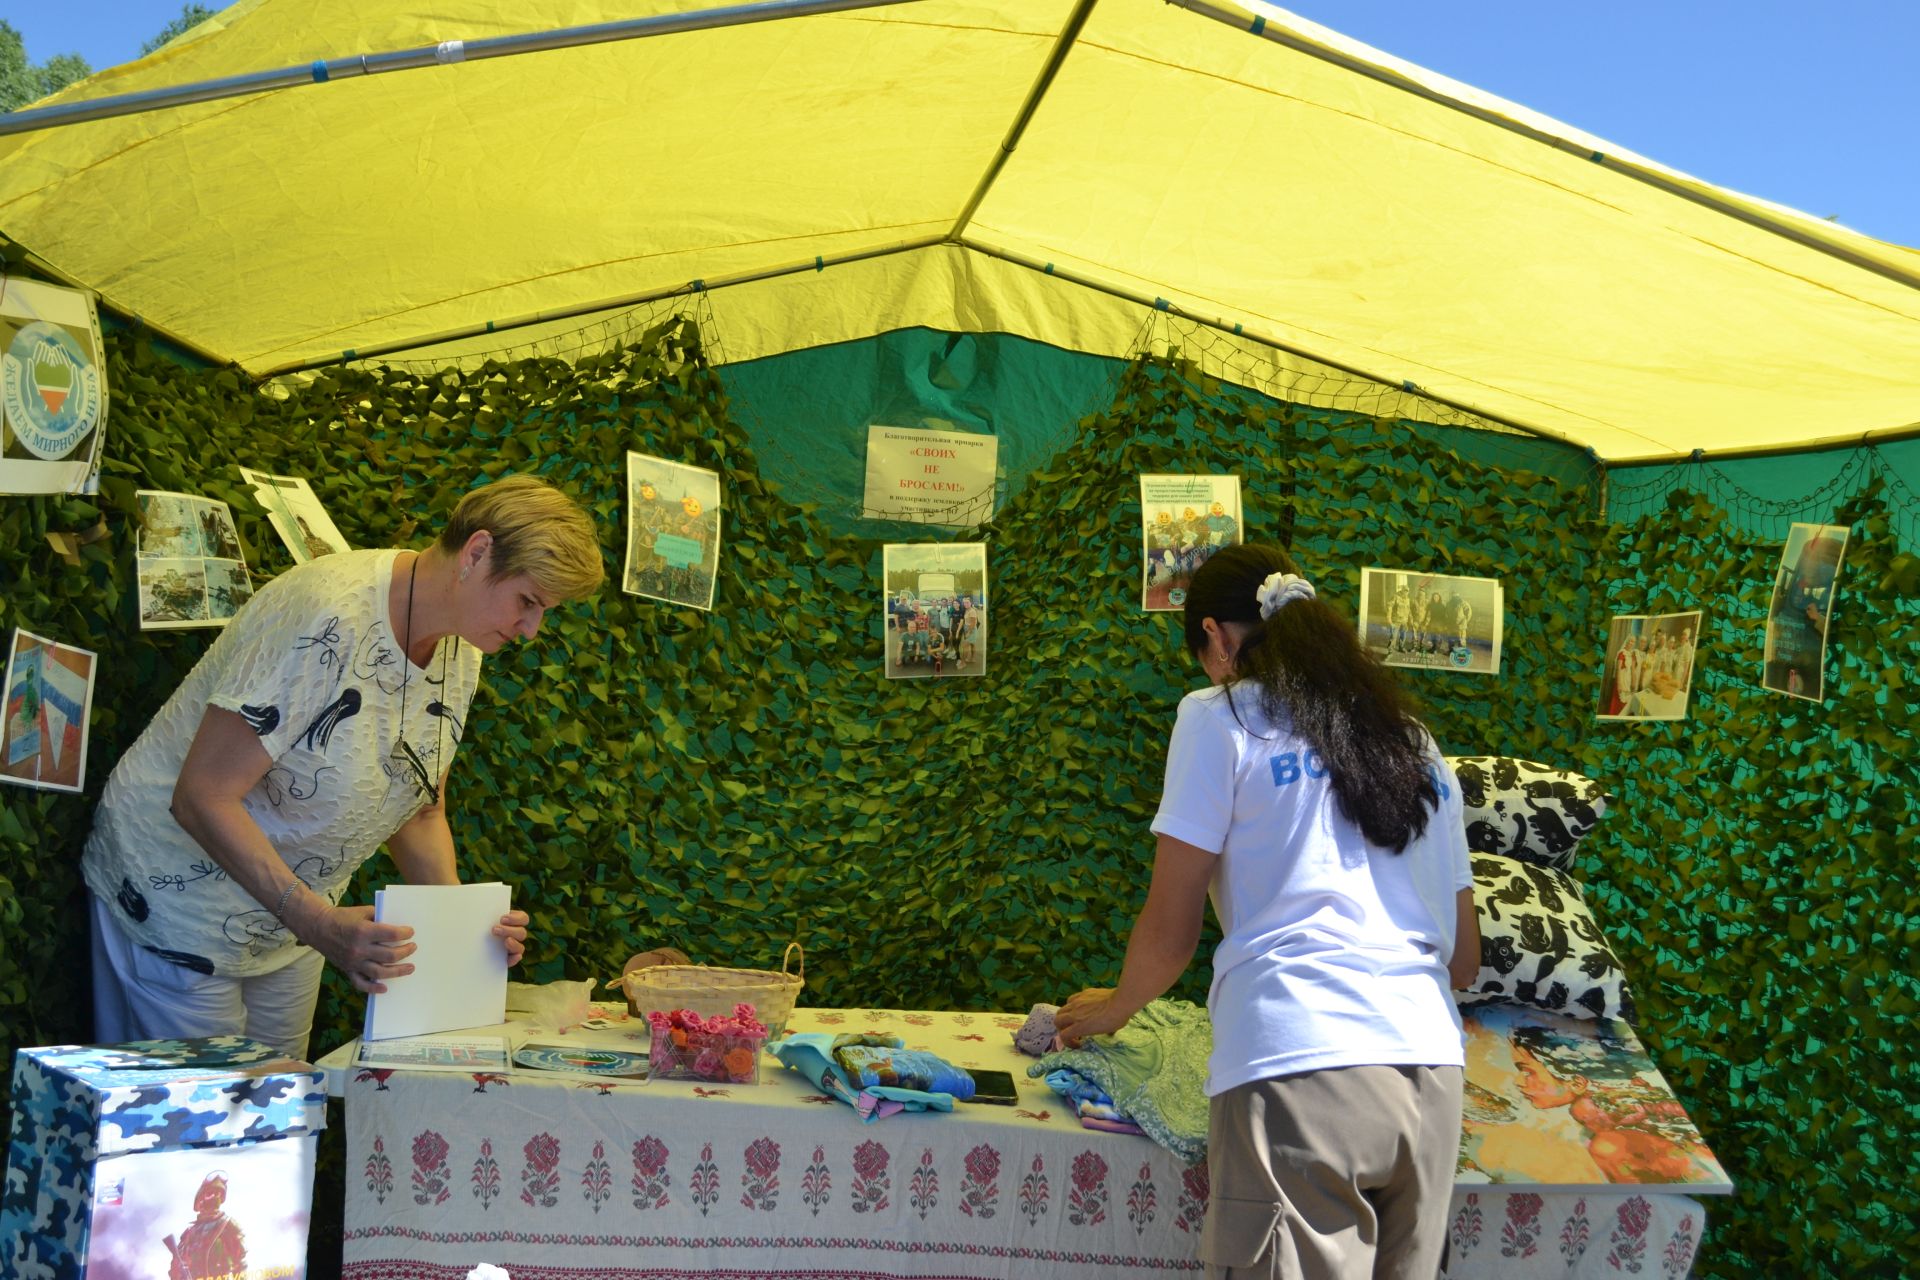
[930,477]
[459,977]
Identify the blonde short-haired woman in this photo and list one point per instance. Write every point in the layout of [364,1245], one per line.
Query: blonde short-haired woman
[321,724]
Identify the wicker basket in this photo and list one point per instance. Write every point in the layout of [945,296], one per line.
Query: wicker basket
[710,990]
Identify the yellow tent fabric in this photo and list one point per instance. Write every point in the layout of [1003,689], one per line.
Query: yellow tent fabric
[1317,194]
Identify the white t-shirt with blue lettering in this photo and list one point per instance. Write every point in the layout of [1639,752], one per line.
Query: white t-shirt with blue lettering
[1335,950]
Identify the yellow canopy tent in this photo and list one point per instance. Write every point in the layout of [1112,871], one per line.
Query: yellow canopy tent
[1047,168]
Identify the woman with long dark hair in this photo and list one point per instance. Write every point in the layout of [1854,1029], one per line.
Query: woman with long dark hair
[1304,795]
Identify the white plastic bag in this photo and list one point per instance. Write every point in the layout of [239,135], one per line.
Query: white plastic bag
[552,1006]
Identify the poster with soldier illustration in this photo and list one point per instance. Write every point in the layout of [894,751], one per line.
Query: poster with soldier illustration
[189,563]
[673,531]
[1432,620]
[1184,520]
[294,511]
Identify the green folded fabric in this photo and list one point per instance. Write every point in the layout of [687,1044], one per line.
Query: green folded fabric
[1154,1069]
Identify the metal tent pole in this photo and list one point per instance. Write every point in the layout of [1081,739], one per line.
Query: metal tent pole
[1263,339]
[1069,33]
[444,53]
[621,303]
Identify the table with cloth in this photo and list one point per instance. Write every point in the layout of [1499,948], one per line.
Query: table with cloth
[562,1177]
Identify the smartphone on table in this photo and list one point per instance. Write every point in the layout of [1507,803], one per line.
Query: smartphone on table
[994,1088]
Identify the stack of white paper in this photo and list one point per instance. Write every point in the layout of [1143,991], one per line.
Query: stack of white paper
[459,977]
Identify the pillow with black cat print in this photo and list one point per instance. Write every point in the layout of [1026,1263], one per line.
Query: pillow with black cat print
[1539,945]
[1525,810]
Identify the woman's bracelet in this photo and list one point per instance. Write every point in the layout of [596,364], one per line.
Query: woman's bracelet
[281,905]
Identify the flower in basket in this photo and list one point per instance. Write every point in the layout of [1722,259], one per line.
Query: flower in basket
[708,1065]
[739,1063]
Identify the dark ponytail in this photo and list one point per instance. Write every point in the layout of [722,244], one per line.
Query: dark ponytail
[1313,675]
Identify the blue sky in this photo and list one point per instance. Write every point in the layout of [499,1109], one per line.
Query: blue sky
[1810,104]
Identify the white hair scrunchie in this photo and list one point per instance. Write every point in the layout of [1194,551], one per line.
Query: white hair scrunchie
[1281,589]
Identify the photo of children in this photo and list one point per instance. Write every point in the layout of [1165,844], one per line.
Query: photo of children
[294,511]
[1649,667]
[1184,520]
[43,724]
[189,562]
[1558,1102]
[1796,650]
[673,531]
[936,609]
[1432,620]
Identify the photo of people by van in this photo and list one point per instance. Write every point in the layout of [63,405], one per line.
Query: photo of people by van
[1432,620]
[936,609]
[1796,652]
[1184,520]
[673,531]
[1649,667]
[189,564]
[43,723]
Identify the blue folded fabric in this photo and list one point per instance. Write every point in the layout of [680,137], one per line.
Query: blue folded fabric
[1074,1087]
[871,1065]
[811,1054]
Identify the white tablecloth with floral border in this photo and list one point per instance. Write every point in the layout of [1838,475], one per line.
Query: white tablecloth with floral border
[562,1178]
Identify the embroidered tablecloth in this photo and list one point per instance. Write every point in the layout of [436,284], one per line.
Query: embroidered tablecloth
[563,1178]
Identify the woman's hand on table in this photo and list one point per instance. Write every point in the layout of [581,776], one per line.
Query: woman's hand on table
[366,951]
[512,932]
[1089,1013]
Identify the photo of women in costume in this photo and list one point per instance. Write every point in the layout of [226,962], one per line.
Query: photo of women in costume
[1432,620]
[673,531]
[1184,520]
[1796,652]
[1648,672]
[936,609]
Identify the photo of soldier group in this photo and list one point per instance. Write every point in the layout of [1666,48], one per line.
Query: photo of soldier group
[1432,620]
[1796,652]
[936,610]
[1184,519]
[189,564]
[1649,667]
[673,531]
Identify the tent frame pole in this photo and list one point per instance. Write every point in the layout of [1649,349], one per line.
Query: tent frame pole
[1262,339]
[445,53]
[1858,440]
[605,304]
[1805,237]
[1056,58]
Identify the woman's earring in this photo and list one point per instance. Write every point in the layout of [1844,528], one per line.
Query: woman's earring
[463,575]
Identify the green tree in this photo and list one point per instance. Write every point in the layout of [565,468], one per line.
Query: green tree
[191,16]
[22,82]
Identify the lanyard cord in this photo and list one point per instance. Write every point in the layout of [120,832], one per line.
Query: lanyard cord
[429,782]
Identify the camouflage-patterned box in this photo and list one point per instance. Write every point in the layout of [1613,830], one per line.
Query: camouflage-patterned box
[161,1158]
